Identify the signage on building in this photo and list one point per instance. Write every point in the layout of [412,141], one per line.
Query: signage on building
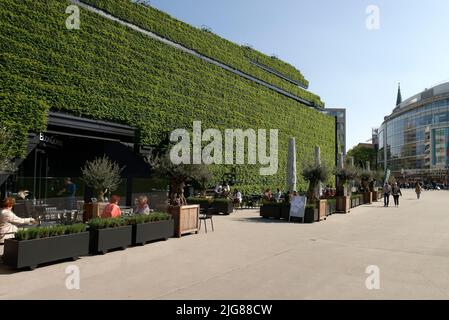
[50,140]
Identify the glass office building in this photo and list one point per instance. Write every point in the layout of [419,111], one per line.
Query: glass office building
[414,139]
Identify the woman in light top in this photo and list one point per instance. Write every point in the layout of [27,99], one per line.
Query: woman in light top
[9,221]
[142,206]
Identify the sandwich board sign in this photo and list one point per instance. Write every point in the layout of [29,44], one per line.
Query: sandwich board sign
[298,207]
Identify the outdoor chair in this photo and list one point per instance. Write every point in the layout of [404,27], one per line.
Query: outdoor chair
[204,216]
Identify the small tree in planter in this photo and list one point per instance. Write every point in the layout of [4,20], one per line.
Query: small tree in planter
[344,176]
[178,175]
[316,174]
[366,177]
[185,217]
[102,174]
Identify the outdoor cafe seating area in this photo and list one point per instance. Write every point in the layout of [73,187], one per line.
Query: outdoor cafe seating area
[54,211]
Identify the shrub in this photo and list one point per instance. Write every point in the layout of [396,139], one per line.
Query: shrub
[102,174]
[50,231]
[314,174]
[153,217]
[100,223]
[222,200]
[150,86]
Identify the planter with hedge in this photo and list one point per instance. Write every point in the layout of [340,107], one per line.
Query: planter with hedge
[203,202]
[344,176]
[331,207]
[107,234]
[213,206]
[311,214]
[37,245]
[271,210]
[146,228]
[222,206]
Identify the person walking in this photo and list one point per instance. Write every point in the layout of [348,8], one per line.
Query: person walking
[387,192]
[396,191]
[418,190]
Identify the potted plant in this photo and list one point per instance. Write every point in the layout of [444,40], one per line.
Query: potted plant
[222,205]
[204,203]
[270,209]
[315,174]
[36,245]
[366,177]
[155,226]
[377,176]
[110,233]
[102,175]
[344,176]
[186,217]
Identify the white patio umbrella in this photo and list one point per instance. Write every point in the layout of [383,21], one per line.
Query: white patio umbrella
[291,165]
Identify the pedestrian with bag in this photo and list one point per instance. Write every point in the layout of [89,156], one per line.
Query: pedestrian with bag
[396,191]
[387,192]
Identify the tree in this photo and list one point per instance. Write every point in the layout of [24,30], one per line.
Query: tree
[314,174]
[344,175]
[102,174]
[178,175]
[362,154]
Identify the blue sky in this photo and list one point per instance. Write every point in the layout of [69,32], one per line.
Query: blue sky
[347,65]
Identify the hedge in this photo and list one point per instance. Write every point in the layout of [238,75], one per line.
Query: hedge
[206,43]
[106,71]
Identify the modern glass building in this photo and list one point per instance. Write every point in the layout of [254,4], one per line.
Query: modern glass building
[414,139]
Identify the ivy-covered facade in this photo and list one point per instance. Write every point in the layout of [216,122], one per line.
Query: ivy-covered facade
[107,71]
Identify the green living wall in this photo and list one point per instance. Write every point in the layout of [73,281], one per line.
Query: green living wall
[106,71]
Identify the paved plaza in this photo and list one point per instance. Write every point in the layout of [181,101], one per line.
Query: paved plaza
[251,258]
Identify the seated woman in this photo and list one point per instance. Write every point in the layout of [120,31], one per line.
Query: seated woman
[9,221]
[238,198]
[268,195]
[112,210]
[142,206]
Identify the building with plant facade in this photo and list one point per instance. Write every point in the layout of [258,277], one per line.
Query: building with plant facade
[124,78]
[414,139]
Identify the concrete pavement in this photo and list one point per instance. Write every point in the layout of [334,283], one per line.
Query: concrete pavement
[251,258]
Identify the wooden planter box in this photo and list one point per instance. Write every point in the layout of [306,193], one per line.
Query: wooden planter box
[375,196]
[186,218]
[321,205]
[270,211]
[355,202]
[222,208]
[343,204]
[331,208]
[367,198]
[151,231]
[31,253]
[93,210]
[102,240]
